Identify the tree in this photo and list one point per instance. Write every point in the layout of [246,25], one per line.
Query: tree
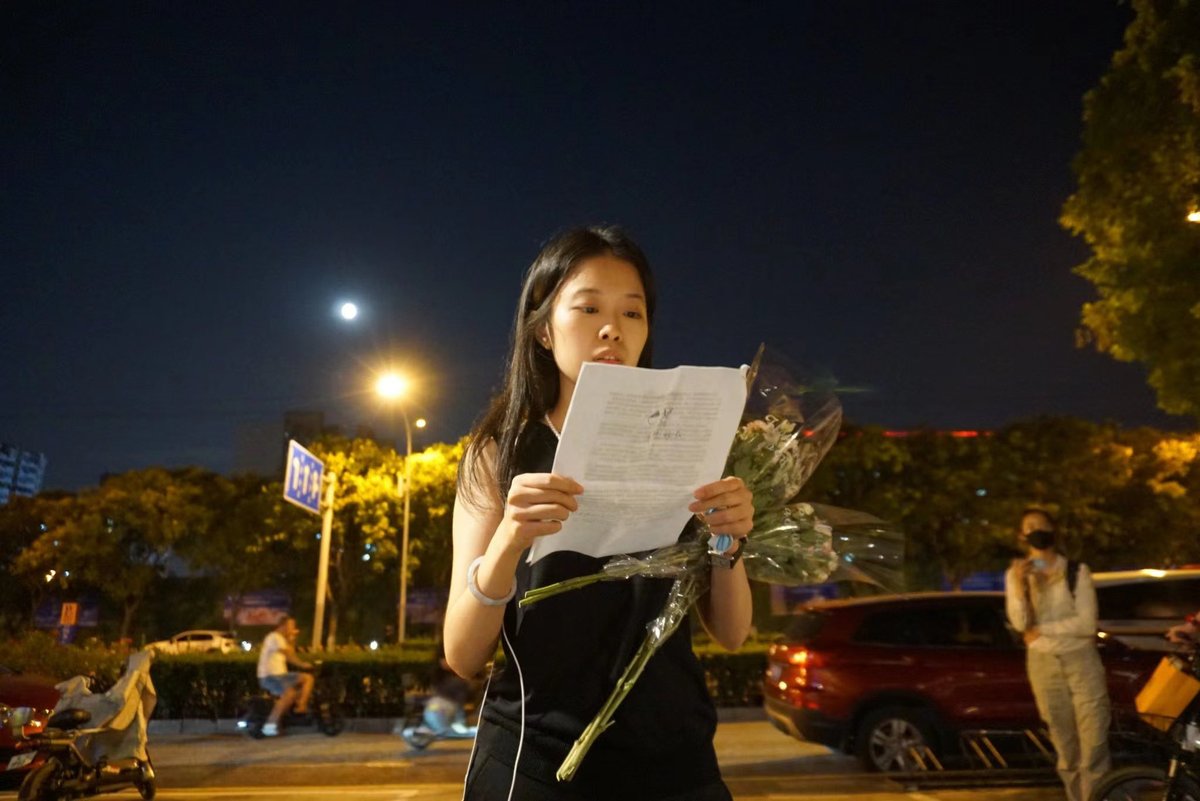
[1163,509]
[1138,180]
[1079,471]
[931,484]
[118,537]
[22,522]
[1123,498]
[239,547]
[434,479]
[366,519]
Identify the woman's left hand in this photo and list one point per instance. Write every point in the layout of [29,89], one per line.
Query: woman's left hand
[726,505]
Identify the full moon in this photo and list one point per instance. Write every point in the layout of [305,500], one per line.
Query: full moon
[349,311]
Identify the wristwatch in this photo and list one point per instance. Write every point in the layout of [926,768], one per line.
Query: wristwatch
[728,558]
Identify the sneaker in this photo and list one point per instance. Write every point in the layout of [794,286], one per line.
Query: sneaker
[270,730]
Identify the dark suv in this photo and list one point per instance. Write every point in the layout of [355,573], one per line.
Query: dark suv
[877,676]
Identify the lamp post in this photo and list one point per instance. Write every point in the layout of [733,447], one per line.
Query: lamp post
[391,387]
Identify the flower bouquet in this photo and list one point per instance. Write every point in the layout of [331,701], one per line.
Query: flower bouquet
[787,428]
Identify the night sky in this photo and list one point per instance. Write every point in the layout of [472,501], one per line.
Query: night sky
[188,190]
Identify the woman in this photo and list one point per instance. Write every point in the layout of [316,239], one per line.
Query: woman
[1058,623]
[588,296]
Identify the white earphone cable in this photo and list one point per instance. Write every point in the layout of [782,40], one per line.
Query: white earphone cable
[521,681]
[521,739]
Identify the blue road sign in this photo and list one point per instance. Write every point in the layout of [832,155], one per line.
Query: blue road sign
[302,480]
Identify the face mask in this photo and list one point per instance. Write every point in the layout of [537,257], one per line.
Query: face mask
[1040,539]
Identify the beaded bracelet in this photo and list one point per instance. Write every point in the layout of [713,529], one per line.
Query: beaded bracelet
[478,593]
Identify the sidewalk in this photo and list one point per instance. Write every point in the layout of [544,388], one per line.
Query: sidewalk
[218,756]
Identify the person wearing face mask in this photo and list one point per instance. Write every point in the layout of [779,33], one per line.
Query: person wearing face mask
[1052,603]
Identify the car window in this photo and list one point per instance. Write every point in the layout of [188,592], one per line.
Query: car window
[892,627]
[957,626]
[1149,600]
[805,626]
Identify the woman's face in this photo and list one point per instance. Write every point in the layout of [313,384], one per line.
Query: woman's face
[598,315]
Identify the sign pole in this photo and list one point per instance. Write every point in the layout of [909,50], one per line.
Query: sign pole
[323,564]
[302,483]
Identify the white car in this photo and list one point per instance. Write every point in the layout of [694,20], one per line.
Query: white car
[1138,606]
[198,642]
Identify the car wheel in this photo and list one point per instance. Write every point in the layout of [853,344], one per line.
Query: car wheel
[894,738]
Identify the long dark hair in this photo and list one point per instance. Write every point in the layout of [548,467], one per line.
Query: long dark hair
[531,383]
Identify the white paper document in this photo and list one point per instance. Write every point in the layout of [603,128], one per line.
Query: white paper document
[640,442]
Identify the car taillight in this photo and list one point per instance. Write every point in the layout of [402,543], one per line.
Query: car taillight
[793,667]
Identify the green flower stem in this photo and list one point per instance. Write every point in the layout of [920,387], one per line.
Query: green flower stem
[550,590]
[684,593]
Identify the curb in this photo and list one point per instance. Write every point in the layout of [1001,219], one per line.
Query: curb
[729,714]
[229,726]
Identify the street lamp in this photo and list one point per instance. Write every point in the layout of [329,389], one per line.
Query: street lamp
[1194,216]
[392,387]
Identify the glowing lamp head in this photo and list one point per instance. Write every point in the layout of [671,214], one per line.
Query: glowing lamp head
[420,423]
[391,385]
[348,310]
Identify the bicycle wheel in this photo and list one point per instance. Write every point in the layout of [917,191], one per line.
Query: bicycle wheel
[1145,783]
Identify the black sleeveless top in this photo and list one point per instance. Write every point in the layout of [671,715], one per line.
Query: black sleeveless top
[573,647]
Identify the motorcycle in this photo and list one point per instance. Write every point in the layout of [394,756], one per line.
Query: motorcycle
[324,711]
[1174,689]
[67,760]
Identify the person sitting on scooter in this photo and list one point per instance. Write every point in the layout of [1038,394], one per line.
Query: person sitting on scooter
[444,715]
[278,652]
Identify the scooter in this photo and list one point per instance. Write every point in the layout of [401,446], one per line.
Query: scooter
[324,711]
[69,761]
[441,719]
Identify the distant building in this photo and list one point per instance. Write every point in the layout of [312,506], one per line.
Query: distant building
[261,447]
[21,472]
[303,426]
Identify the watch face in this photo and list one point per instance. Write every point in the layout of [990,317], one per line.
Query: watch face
[726,560]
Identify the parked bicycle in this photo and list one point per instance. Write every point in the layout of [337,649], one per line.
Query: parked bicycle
[1170,703]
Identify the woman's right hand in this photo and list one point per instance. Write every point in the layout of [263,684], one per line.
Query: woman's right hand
[537,505]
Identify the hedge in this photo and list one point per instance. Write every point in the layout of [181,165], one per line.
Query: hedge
[371,685]
[367,683]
